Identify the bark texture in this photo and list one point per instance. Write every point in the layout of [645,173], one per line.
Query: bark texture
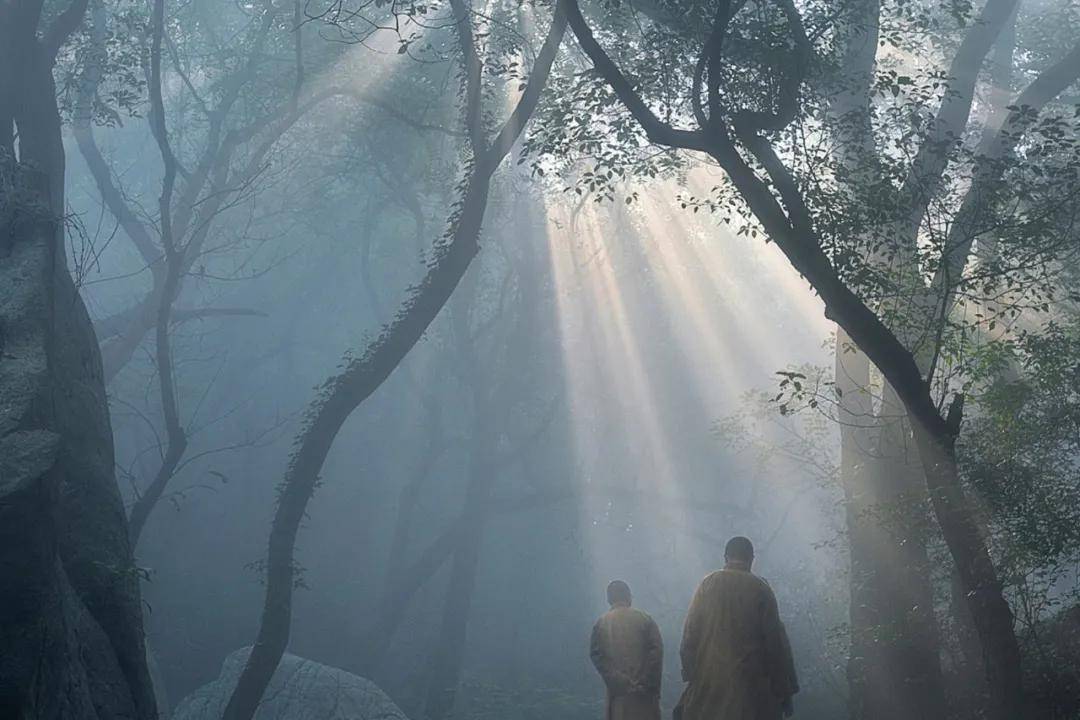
[70,614]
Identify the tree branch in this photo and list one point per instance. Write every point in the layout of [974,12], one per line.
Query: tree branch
[473,69]
[996,147]
[62,27]
[341,395]
[948,126]
[655,129]
[802,250]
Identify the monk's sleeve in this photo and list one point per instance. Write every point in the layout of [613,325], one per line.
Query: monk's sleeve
[654,658]
[691,637]
[781,663]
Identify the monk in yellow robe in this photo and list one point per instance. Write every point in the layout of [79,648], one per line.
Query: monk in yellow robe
[736,658]
[628,653]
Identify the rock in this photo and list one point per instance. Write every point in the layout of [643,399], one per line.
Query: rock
[71,644]
[300,690]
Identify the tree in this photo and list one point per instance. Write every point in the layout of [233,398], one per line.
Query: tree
[235,123]
[363,375]
[739,77]
[232,109]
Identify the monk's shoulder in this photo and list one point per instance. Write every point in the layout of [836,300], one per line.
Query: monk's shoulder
[763,587]
[742,580]
[627,616]
[712,580]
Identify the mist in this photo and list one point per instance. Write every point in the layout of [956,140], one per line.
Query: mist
[349,351]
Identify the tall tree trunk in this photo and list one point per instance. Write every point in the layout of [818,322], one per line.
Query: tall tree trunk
[395,600]
[990,612]
[401,581]
[340,397]
[911,630]
[894,668]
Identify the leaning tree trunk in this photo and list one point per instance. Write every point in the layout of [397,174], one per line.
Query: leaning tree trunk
[990,612]
[363,375]
[340,397]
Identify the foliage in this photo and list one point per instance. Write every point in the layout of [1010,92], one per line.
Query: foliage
[1022,454]
[113,44]
[861,202]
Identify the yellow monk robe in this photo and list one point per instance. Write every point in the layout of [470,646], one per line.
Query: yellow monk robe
[735,653]
[629,655]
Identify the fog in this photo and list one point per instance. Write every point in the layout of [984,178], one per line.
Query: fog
[421,324]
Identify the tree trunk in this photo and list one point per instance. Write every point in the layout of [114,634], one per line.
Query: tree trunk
[990,611]
[894,670]
[343,394]
[396,598]
[340,397]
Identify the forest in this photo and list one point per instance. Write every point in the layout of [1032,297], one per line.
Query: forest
[349,349]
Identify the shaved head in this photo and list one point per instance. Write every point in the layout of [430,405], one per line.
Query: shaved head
[739,549]
[618,593]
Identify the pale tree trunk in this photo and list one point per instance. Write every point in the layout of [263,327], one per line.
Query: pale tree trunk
[894,669]
[483,378]
[447,658]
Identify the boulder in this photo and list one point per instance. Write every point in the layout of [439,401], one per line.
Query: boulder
[71,642]
[299,690]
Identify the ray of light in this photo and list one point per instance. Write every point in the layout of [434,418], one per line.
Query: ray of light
[604,361]
[658,308]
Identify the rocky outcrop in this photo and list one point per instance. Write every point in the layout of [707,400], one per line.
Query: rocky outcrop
[299,690]
[70,615]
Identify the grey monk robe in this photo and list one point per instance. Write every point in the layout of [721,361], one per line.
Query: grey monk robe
[735,653]
[629,655]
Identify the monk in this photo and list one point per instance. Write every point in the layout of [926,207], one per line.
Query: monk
[736,658]
[629,655]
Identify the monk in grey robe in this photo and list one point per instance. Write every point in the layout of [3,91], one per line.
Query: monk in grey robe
[629,655]
[736,658]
